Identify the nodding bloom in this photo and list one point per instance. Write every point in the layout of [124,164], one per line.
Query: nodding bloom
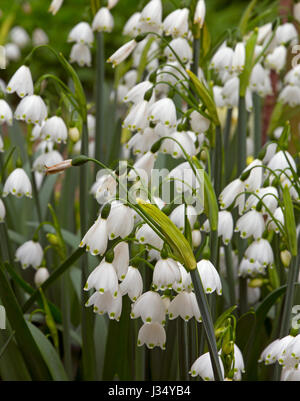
[277,59]
[179,213]
[145,235]
[251,224]
[153,335]
[106,303]
[287,34]
[250,268]
[48,162]
[184,305]
[96,238]
[19,36]
[21,82]
[222,59]
[163,111]
[151,16]
[209,277]
[82,33]
[279,218]
[225,226]
[290,95]
[121,260]
[202,367]
[132,284]
[54,130]
[31,109]
[6,115]
[103,21]
[30,254]
[166,273]
[2,211]
[150,307]
[277,351]
[282,161]
[120,221]
[136,93]
[233,193]
[42,274]
[39,37]
[182,48]
[260,251]
[199,16]
[18,184]
[81,54]
[239,58]
[131,26]
[199,123]
[269,197]
[254,181]
[122,53]
[104,279]
[55,6]
[176,24]
[105,188]
[12,52]
[239,365]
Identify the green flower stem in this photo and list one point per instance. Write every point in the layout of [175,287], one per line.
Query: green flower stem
[100,76]
[242,136]
[257,105]
[218,161]
[87,318]
[227,130]
[182,350]
[196,56]
[230,274]
[208,324]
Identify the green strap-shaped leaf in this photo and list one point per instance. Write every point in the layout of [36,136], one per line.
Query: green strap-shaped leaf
[249,63]
[289,221]
[174,237]
[246,17]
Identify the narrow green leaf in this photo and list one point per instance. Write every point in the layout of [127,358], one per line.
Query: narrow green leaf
[289,221]
[246,17]
[249,63]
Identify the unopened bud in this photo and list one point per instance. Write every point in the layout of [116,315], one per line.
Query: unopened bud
[58,168]
[41,276]
[228,348]
[53,239]
[196,238]
[256,283]
[79,160]
[286,258]
[74,134]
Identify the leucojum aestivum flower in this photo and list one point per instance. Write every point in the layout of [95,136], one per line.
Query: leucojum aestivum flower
[163,216]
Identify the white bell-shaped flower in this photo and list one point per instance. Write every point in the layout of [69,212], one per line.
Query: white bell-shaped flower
[254,181]
[6,115]
[199,123]
[55,130]
[260,251]
[176,24]
[225,226]
[121,259]
[239,365]
[279,217]
[122,53]
[103,21]
[19,36]
[222,59]
[132,284]
[239,58]
[46,160]
[18,184]
[39,37]
[196,238]
[81,54]
[290,374]
[184,305]
[287,34]
[120,221]
[21,82]
[166,273]
[230,195]
[185,282]
[163,111]
[81,33]
[143,166]
[106,303]
[103,279]
[104,188]
[250,268]
[30,254]
[276,351]
[145,235]
[136,119]
[55,6]
[282,161]
[290,95]
[153,335]
[96,238]
[141,143]
[137,92]
[150,307]
[182,48]
[178,216]
[2,211]
[186,140]
[251,224]
[277,59]
[200,11]
[209,277]
[31,109]
[12,52]
[42,274]
[202,367]
[131,26]
[151,16]
[269,197]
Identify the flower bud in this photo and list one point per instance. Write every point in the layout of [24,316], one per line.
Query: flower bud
[53,239]
[285,257]
[41,276]
[74,134]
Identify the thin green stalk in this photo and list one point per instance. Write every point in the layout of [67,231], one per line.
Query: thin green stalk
[100,77]
[182,350]
[227,130]
[230,274]
[242,136]
[257,106]
[196,56]
[218,161]
[65,307]
[87,318]
[208,325]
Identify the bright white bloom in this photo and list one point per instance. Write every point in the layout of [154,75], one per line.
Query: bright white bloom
[163,111]
[276,350]
[178,216]
[136,119]
[185,282]
[254,181]
[55,6]
[103,279]
[177,23]
[250,268]
[282,161]
[141,143]
[6,115]
[153,335]
[112,3]
[106,303]
[12,52]
[251,224]
[222,60]
[277,215]
[131,26]
[230,92]
[47,159]
[200,12]
[151,16]
[287,34]
[186,140]
[2,211]
[145,235]
[18,184]
[166,273]
[30,254]
[239,58]
[184,305]
[143,166]
[122,53]
[21,82]
[260,80]
[81,54]
[39,37]
[82,33]
[260,251]
[55,130]
[296,11]
[292,375]
[41,275]
[209,277]
[277,59]
[150,307]
[103,21]
[199,123]
[290,352]
[264,32]
[196,238]
[269,196]
[132,284]
[19,36]
[120,221]
[31,109]
[182,48]
[290,95]
[230,194]
[96,238]
[137,92]
[202,367]
[105,188]
[239,366]
[225,226]
[121,259]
